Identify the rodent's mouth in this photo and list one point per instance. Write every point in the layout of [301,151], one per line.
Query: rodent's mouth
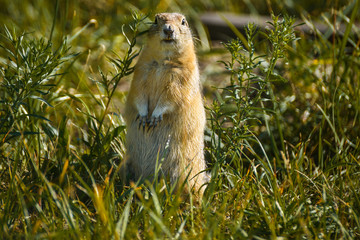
[170,40]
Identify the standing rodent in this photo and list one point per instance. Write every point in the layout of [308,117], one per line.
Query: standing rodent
[164,112]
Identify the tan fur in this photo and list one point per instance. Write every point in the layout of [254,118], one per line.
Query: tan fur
[165,107]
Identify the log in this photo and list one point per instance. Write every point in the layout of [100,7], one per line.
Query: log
[219,29]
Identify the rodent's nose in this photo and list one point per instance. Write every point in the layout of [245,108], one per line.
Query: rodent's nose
[168,30]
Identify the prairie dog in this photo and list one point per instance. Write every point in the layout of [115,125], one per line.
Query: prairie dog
[164,111]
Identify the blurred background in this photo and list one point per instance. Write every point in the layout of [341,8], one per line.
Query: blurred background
[94,30]
[95,27]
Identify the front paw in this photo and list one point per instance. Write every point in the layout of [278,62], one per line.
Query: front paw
[153,121]
[142,120]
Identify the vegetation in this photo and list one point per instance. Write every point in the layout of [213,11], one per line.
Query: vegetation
[282,142]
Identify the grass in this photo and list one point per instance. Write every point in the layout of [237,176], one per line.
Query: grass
[282,139]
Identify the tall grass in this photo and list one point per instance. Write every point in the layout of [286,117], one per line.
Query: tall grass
[282,139]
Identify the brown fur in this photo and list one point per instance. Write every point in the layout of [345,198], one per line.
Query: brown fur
[164,110]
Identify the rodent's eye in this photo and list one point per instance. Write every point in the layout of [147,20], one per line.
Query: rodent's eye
[183,22]
[156,20]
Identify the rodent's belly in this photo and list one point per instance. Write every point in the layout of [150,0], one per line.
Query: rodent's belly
[147,146]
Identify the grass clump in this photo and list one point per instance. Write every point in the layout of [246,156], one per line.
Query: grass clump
[28,81]
[279,185]
[29,77]
[282,143]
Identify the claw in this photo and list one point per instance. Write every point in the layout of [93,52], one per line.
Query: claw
[149,128]
[153,122]
[144,124]
[149,123]
[142,121]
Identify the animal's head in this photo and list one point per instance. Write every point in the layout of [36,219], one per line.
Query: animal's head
[170,31]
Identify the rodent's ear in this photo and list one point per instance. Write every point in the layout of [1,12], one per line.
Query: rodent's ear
[156,20]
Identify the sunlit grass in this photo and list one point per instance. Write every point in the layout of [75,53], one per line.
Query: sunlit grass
[282,139]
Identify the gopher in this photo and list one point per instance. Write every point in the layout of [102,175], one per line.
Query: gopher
[164,111]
